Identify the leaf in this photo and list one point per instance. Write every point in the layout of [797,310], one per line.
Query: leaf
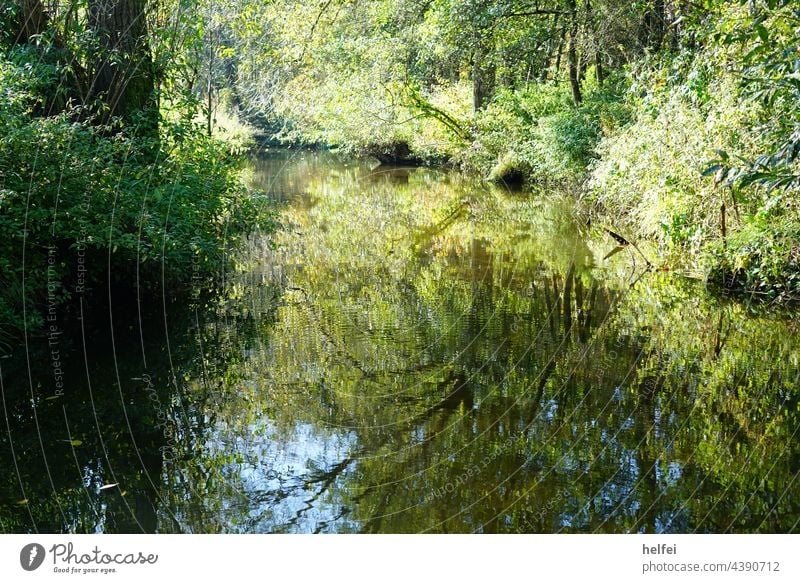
[762,32]
[749,56]
[756,177]
[76,443]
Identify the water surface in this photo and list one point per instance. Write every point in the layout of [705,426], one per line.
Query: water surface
[414,351]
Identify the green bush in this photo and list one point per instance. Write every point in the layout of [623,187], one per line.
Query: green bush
[77,200]
[538,131]
[762,259]
[649,176]
[668,176]
[563,145]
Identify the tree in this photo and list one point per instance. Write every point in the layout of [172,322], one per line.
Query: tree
[110,67]
[124,75]
[572,54]
[32,20]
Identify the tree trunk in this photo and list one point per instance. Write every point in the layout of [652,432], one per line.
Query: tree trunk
[655,25]
[552,46]
[674,10]
[124,76]
[572,54]
[212,48]
[598,68]
[483,79]
[33,20]
[591,21]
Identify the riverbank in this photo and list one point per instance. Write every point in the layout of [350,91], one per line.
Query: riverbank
[690,143]
[86,207]
[651,164]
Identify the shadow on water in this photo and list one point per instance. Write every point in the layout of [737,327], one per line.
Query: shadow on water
[416,351]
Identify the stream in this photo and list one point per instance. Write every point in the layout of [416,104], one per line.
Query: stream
[412,351]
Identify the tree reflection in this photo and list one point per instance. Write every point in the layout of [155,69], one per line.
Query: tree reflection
[487,376]
[416,351]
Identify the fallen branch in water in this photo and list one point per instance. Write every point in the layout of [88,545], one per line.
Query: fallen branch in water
[623,243]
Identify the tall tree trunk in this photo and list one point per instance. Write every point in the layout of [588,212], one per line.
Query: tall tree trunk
[483,78]
[33,20]
[672,16]
[598,68]
[572,53]
[591,21]
[212,48]
[124,77]
[506,78]
[655,25]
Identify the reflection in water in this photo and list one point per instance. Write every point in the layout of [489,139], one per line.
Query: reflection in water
[415,351]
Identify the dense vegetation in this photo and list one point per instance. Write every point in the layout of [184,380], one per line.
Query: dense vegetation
[108,177]
[416,349]
[673,121]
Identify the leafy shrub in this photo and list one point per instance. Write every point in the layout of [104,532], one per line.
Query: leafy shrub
[77,201]
[668,176]
[649,177]
[563,145]
[762,259]
[539,132]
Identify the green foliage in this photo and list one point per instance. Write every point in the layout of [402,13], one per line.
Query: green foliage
[767,34]
[566,143]
[510,117]
[541,134]
[9,12]
[761,260]
[649,176]
[372,77]
[80,206]
[709,166]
